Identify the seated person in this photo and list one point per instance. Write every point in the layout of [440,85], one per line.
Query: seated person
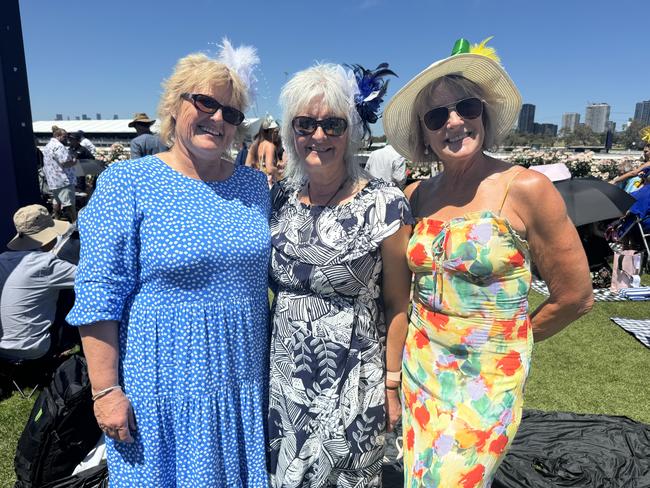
[31,277]
[635,179]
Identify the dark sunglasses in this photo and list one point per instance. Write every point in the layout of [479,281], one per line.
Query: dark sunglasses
[332,126]
[468,108]
[210,106]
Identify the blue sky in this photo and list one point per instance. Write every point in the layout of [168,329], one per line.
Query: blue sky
[110,57]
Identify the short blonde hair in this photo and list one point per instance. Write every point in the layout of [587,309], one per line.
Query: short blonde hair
[461,87]
[195,71]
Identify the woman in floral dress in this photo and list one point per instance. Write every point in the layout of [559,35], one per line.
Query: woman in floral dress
[479,224]
[336,235]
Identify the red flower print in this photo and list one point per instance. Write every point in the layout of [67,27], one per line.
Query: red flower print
[410,439]
[421,414]
[508,327]
[482,436]
[499,444]
[418,254]
[517,259]
[473,477]
[421,339]
[434,227]
[438,320]
[522,332]
[510,363]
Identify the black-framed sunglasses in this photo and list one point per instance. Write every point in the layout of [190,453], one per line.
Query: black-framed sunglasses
[332,126]
[468,108]
[209,105]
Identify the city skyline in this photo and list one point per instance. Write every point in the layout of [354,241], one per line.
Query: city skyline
[116,56]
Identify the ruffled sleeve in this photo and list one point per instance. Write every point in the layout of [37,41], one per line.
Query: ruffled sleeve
[389,213]
[108,266]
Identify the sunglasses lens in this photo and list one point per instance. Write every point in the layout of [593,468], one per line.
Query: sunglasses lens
[206,104]
[232,115]
[304,125]
[470,108]
[334,126]
[436,118]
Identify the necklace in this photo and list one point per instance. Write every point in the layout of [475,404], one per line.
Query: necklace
[311,202]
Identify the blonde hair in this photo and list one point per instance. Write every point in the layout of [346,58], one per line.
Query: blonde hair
[58,131]
[329,82]
[462,88]
[196,71]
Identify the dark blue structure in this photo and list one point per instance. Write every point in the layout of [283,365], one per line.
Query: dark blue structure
[18,170]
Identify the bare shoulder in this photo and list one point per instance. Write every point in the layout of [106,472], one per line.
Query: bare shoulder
[408,191]
[530,185]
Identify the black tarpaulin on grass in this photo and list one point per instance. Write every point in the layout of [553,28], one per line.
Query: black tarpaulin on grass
[556,449]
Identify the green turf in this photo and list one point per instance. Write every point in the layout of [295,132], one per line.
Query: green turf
[593,366]
[14,412]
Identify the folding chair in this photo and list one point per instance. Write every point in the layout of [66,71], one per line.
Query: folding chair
[16,371]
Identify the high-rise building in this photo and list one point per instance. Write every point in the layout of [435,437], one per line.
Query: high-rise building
[98,116]
[59,117]
[597,116]
[527,118]
[642,112]
[570,121]
[115,117]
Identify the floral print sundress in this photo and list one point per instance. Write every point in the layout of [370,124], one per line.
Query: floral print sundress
[468,349]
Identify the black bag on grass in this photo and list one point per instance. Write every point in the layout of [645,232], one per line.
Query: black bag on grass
[61,429]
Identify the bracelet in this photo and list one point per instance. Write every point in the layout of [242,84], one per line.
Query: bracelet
[392,387]
[105,391]
[394,375]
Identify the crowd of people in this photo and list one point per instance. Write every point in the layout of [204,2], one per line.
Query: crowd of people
[388,302]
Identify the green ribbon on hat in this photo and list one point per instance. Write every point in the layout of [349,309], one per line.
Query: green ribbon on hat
[460,47]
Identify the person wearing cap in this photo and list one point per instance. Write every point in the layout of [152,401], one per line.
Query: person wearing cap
[337,235]
[58,167]
[145,142]
[480,224]
[31,278]
[172,296]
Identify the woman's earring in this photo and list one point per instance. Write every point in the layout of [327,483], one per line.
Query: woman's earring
[426,149]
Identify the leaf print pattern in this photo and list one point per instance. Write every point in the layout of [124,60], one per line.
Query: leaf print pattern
[326,412]
[467,352]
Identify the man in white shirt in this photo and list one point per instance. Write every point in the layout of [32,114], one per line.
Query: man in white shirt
[387,164]
[31,278]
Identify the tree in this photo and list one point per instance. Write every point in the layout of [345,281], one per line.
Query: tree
[583,136]
[630,138]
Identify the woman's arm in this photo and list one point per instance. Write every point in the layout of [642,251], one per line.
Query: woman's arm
[113,411]
[396,286]
[630,174]
[557,252]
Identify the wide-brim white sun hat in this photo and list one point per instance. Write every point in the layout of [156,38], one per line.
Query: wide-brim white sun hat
[401,120]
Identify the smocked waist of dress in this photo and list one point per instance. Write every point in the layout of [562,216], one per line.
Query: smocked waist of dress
[152,295]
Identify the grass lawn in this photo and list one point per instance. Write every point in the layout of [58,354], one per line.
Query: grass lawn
[593,366]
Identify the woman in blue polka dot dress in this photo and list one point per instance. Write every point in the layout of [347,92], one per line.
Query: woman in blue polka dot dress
[172,295]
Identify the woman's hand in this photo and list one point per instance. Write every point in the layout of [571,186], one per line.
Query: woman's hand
[393,408]
[114,415]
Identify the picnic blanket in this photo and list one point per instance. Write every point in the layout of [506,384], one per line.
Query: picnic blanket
[600,294]
[639,328]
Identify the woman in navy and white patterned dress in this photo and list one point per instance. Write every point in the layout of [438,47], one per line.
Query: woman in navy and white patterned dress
[172,296]
[336,234]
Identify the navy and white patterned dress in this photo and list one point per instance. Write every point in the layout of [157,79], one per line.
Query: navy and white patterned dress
[182,264]
[326,415]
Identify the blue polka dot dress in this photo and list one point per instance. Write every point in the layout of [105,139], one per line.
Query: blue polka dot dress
[182,265]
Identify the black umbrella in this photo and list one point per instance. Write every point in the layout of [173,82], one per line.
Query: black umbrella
[591,200]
